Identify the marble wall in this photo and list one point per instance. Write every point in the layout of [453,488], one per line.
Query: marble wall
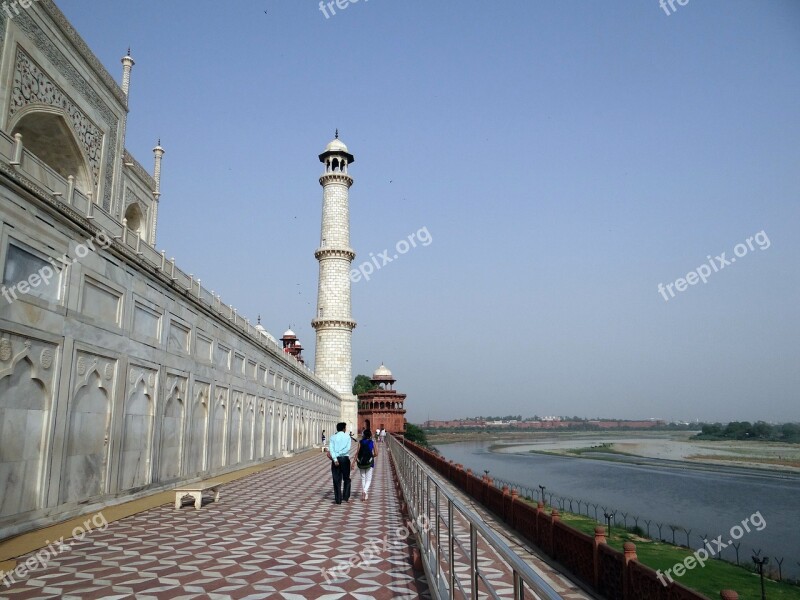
[120,375]
[116,384]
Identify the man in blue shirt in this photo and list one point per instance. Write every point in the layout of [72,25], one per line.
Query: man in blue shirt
[339,453]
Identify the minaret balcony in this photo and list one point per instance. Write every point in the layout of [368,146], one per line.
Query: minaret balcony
[347,253]
[349,324]
[336,177]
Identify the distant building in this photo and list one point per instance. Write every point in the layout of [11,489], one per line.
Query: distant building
[382,406]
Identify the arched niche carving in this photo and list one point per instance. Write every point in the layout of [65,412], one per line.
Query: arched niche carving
[47,132]
[24,430]
[87,445]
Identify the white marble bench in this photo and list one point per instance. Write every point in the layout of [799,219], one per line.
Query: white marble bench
[195,490]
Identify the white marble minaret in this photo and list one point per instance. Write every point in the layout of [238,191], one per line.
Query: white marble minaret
[333,323]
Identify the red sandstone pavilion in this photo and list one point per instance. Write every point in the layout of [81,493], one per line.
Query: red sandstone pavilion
[382,406]
[291,345]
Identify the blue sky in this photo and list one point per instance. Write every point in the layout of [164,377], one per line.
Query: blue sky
[565,157]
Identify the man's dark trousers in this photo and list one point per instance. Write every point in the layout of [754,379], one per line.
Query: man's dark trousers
[341,474]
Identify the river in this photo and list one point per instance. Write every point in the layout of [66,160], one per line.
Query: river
[703,501]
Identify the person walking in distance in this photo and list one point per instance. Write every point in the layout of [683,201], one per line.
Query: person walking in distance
[365,461]
[339,453]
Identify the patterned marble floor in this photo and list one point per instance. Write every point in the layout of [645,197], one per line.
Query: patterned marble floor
[271,536]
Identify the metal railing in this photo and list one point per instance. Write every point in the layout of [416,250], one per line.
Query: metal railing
[452,538]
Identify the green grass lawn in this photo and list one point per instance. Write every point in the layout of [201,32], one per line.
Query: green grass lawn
[716,575]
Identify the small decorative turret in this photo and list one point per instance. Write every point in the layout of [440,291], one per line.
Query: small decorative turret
[127,65]
[291,345]
[158,152]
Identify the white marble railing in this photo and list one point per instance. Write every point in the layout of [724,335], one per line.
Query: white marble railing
[13,152]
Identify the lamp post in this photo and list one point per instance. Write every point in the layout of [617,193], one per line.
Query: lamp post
[759,563]
[608,521]
[541,487]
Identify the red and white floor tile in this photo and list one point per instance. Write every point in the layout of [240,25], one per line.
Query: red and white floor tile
[270,536]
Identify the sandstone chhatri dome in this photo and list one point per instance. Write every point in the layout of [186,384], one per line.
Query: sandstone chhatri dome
[382,372]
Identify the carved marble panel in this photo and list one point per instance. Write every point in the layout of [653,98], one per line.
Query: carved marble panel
[198,429]
[249,429]
[146,322]
[86,456]
[238,364]
[27,371]
[202,348]
[101,302]
[222,356]
[218,427]
[262,443]
[137,434]
[235,435]
[179,336]
[172,428]
[21,262]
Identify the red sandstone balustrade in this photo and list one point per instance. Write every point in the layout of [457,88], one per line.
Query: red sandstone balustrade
[512,508]
[544,532]
[475,487]
[525,520]
[575,550]
[612,571]
[494,500]
[644,582]
[628,557]
[599,539]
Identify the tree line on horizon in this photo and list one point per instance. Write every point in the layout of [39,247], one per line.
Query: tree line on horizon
[744,430]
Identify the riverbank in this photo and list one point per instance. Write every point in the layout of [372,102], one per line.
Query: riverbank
[703,501]
[630,446]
